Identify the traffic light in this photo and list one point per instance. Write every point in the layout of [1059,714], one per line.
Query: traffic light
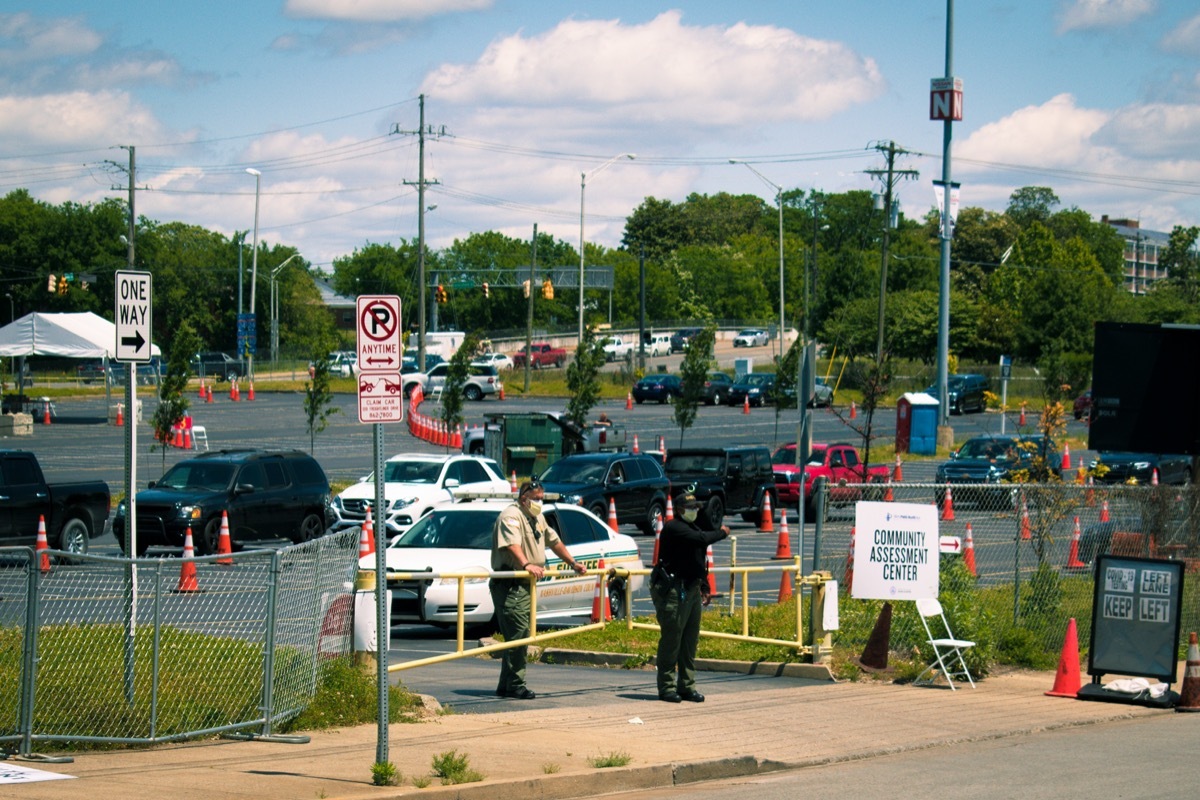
[52,284]
[441,294]
[62,285]
[547,289]
[486,290]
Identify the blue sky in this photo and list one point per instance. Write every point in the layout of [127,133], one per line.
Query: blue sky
[1099,99]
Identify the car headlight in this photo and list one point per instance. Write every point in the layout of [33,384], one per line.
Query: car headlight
[191,512]
[121,509]
[466,581]
[994,474]
[1141,465]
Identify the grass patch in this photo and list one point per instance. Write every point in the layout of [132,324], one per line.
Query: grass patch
[613,759]
[204,682]
[454,768]
[384,773]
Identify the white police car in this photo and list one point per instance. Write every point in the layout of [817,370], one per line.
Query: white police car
[457,537]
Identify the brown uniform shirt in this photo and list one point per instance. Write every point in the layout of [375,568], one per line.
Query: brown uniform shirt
[514,526]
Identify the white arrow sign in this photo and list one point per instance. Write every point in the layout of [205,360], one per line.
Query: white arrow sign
[134,303]
[950,544]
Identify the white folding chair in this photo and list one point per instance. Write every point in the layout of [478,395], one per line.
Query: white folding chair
[198,433]
[946,649]
[435,394]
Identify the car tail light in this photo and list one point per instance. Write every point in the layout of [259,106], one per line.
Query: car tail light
[603,437]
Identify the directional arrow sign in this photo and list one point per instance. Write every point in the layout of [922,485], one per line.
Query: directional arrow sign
[950,544]
[134,303]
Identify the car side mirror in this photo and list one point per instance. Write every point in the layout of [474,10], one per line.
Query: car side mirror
[452,483]
[953,455]
[243,488]
[151,484]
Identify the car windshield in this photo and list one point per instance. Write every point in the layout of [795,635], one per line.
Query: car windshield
[193,475]
[574,472]
[756,380]
[748,333]
[989,450]
[463,530]
[412,472]
[694,464]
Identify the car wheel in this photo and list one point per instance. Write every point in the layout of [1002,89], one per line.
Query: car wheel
[473,393]
[639,401]
[714,513]
[616,597]
[311,527]
[74,537]
[600,510]
[958,408]
[142,545]
[210,537]
[654,513]
[756,514]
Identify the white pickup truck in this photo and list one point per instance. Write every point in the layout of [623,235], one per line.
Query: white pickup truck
[616,348]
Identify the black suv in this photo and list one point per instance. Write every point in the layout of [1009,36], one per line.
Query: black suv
[680,339]
[985,464]
[216,365]
[964,392]
[267,496]
[634,482]
[732,480]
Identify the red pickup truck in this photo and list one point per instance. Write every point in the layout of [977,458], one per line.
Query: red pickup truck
[841,467]
[543,355]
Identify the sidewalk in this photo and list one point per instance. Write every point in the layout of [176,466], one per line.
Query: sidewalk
[518,751]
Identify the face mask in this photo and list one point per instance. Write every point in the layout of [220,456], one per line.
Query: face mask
[690,514]
[535,508]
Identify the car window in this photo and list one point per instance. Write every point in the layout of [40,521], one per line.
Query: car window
[835,459]
[472,472]
[18,472]
[308,472]
[253,475]
[568,471]
[412,472]
[851,457]
[576,527]
[696,464]
[276,477]
[464,530]
[197,475]
[616,473]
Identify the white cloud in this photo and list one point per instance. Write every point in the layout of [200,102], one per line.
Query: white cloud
[1088,14]
[25,38]
[74,119]
[1056,133]
[1184,39]
[380,10]
[1154,130]
[615,75]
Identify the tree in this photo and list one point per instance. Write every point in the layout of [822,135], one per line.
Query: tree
[581,377]
[318,397]
[172,404]
[457,372]
[694,372]
[1182,262]
[1031,204]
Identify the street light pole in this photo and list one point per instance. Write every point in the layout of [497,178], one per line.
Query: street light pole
[583,176]
[254,264]
[275,307]
[779,200]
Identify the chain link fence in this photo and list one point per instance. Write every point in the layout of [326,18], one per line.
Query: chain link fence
[113,650]
[1034,549]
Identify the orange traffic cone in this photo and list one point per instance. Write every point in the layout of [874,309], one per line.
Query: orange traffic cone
[120,415]
[233,389]
[599,597]
[603,589]
[1090,497]
[1066,464]
[366,541]
[512,481]
[187,572]
[785,587]
[628,401]
[888,497]
[46,413]
[670,512]
[502,391]
[1189,693]
[210,399]
[662,448]
[1104,512]
[1154,477]
[203,394]
[612,515]
[636,449]
[853,410]
[848,578]
[897,471]
[1021,419]
[1073,561]
[767,523]
[658,526]
[783,548]
[1067,682]
[176,436]
[712,579]
[187,433]
[746,405]
[456,440]
[250,394]
[1026,528]
[224,544]
[969,553]
[948,506]
[43,544]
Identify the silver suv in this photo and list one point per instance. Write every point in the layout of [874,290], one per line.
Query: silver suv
[482,380]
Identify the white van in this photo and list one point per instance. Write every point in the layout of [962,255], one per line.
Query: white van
[659,344]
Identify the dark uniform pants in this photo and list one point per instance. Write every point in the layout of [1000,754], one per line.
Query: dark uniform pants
[511,600]
[678,611]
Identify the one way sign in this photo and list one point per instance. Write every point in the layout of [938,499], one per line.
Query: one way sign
[134,302]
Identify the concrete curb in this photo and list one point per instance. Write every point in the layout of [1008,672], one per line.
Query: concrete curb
[817,672]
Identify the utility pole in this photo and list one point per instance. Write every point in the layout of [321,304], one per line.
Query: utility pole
[946,106]
[893,175]
[529,313]
[421,132]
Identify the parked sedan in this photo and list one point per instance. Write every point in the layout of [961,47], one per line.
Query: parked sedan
[501,361]
[635,484]
[987,465]
[716,388]
[758,387]
[457,537]
[660,388]
[751,337]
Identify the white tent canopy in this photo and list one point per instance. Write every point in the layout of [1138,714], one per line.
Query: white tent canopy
[81,335]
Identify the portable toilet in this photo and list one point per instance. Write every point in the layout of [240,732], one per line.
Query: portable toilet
[916,424]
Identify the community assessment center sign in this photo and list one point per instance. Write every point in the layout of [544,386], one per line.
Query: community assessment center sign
[895,551]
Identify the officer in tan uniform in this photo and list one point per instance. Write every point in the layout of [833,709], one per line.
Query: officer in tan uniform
[519,541]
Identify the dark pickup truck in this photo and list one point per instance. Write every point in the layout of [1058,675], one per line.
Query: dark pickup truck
[75,513]
[726,480]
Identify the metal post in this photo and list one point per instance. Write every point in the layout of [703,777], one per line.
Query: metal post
[382,620]
[943,345]
[254,268]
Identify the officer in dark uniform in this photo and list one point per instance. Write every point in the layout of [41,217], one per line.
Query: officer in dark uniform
[679,588]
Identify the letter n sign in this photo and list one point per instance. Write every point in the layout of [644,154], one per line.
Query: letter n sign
[945,99]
